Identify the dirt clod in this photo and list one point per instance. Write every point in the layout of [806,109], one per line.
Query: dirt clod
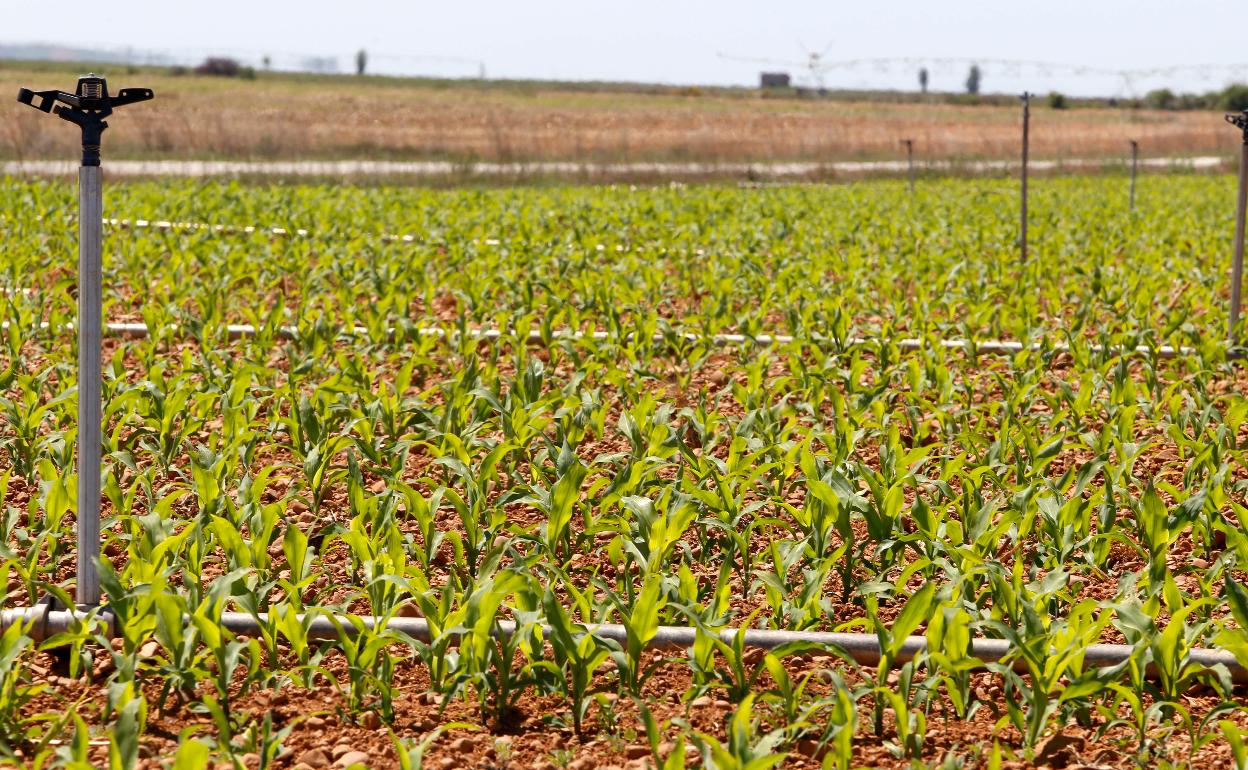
[352,758]
[314,758]
[1060,750]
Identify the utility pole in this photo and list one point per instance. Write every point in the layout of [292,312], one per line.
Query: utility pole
[1237,264]
[87,108]
[1026,153]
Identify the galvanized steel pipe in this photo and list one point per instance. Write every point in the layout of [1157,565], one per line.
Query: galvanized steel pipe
[1237,265]
[864,649]
[90,319]
[1022,235]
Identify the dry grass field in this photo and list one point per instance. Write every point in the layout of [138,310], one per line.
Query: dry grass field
[284,117]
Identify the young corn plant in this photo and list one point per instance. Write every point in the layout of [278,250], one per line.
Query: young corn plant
[1052,651]
[16,692]
[370,665]
[578,653]
[558,504]
[641,624]
[744,748]
[313,430]
[892,639]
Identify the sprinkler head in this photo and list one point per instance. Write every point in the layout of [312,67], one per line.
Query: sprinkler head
[1240,121]
[86,108]
[92,92]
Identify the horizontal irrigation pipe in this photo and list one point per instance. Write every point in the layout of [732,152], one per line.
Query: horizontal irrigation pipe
[986,347]
[147,224]
[863,648]
[281,232]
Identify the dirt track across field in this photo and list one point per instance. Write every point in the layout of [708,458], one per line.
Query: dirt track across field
[568,169]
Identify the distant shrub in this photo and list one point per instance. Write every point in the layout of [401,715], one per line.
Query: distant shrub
[222,67]
[1161,99]
[1198,101]
[1057,100]
[1234,98]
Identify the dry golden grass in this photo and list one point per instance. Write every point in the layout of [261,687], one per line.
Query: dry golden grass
[282,118]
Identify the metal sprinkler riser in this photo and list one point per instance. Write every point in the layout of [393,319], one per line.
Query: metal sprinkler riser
[87,108]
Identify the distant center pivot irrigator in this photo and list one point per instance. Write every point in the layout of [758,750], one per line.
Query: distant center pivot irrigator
[87,108]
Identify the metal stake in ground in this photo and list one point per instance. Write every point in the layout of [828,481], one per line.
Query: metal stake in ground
[1135,169]
[1237,265]
[909,143]
[1022,232]
[87,108]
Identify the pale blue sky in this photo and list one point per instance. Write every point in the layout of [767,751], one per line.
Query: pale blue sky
[677,41]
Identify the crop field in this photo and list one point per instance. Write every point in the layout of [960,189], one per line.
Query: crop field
[344,462]
[278,117]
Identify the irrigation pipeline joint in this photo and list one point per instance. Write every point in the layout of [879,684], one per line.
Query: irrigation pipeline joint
[86,108]
[1240,121]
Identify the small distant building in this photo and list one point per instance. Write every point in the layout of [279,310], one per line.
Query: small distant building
[774,80]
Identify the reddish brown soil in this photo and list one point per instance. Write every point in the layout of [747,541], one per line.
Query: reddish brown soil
[535,734]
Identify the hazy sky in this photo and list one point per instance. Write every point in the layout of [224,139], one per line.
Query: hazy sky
[676,41]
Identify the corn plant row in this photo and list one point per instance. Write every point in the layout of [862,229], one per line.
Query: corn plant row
[540,337]
[41,623]
[898,267]
[180,404]
[545,511]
